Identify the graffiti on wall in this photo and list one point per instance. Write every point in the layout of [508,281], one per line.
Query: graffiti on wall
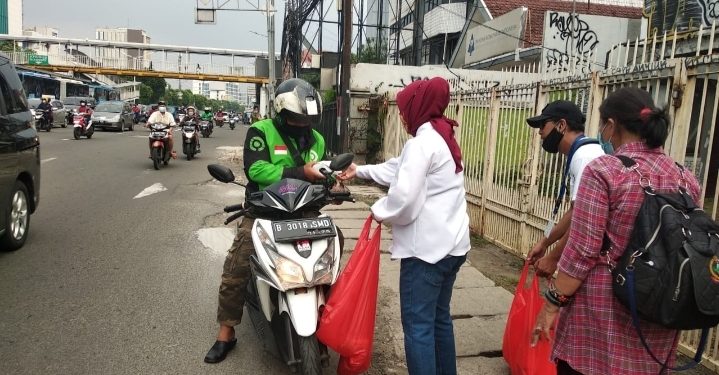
[569,40]
[680,15]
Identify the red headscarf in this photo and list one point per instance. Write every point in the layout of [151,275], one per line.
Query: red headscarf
[425,101]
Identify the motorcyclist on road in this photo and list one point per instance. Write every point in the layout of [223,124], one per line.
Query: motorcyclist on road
[267,161]
[206,114]
[161,116]
[255,115]
[191,115]
[85,110]
[46,109]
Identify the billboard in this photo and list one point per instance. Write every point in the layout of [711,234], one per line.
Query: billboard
[496,37]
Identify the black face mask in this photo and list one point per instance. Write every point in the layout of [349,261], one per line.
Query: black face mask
[551,143]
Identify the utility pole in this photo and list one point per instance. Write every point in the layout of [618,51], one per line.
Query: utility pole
[271,56]
[418,31]
[344,110]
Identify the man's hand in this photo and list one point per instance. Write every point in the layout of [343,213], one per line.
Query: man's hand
[349,173]
[546,266]
[312,174]
[537,252]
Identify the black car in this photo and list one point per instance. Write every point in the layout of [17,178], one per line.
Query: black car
[19,160]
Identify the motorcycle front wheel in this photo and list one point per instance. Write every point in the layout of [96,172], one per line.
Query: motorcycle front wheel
[310,355]
[156,157]
[76,133]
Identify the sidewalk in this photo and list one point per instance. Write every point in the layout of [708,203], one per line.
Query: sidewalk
[479,308]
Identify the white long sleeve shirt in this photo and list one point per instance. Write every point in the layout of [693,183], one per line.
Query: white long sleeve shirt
[426,202]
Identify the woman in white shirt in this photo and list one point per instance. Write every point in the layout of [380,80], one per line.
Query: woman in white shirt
[427,209]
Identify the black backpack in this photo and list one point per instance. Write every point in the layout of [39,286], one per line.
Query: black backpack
[669,272]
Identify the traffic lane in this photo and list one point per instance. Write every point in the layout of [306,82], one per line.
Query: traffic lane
[117,285]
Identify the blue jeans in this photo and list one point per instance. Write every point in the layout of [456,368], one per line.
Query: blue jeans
[425,292]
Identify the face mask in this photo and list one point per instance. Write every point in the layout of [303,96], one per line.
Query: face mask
[162,109]
[551,143]
[606,145]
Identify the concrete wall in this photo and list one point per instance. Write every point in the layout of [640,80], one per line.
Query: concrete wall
[567,38]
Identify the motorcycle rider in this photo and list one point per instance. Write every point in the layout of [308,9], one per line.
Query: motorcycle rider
[190,115]
[161,116]
[255,115]
[267,161]
[85,110]
[206,115]
[46,109]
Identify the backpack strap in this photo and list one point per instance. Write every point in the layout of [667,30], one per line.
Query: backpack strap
[635,322]
[626,161]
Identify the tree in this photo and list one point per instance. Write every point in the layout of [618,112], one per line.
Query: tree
[157,85]
[145,94]
[373,52]
[9,46]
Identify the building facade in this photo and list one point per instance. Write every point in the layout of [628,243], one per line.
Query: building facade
[130,57]
[11,17]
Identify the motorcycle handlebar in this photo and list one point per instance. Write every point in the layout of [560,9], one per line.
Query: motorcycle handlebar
[234,217]
[234,207]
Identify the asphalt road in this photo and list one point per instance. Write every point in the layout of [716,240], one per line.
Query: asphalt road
[112,283]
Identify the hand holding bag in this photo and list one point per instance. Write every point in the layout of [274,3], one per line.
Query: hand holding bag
[522,358]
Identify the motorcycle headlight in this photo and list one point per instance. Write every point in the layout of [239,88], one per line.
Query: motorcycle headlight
[323,267]
[290,273]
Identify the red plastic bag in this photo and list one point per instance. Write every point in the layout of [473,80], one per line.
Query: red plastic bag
[347,322]
[516,350]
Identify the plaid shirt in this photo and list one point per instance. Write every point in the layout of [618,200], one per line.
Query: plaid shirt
[595,334]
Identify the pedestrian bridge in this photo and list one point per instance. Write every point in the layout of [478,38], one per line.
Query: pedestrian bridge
[133,59]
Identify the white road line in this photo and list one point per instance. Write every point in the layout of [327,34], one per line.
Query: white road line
[155,188]
[230,148]
[47,160]
[65,139]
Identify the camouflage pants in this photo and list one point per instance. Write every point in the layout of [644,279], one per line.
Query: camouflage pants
[236,274]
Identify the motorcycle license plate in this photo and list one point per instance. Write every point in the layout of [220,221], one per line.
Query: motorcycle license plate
[305,229]
[158,134]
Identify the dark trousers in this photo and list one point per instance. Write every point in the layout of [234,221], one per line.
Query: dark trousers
[563,368]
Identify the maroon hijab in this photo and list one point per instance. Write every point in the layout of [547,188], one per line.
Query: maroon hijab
[425,101]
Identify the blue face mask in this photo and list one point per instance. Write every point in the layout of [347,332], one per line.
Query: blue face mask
[606,145]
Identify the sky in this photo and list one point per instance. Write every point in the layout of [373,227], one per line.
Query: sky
[165,21]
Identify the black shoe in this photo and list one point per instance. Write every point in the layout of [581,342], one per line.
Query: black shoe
[219,351]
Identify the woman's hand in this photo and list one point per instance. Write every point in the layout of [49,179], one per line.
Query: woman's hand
[545,323]
[349,173]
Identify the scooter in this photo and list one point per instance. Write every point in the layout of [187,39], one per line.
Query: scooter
[159,136]
[189,143]
[82,126]
[296,260]
[43,119]
[205,129]
[219,120]
[233,121]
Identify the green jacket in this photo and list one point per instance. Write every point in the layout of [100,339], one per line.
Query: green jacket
[206,116]
[268,160]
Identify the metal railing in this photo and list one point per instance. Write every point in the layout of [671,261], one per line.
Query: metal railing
[511,184]
[131,63]
[329,129]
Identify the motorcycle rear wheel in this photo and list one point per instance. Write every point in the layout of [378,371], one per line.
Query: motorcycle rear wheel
[156,157]
[310,355]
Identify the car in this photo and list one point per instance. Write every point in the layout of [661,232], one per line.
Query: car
[72,102]
[19,160]
[113,115]
[58,110]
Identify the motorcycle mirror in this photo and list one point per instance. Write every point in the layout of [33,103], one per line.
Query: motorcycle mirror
[221,173]
[341,162]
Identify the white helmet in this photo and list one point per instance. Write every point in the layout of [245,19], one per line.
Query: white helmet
[296,100]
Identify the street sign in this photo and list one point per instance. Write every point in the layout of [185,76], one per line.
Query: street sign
[37,60]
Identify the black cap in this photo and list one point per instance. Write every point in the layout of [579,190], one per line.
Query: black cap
[161,102]
[560,109]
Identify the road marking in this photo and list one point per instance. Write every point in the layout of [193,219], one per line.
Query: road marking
[65,139]
[218,239]
[230,148]
[47,160]
[139,136]
[155,188]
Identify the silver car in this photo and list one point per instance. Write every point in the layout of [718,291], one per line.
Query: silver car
[113,115]
[58,111]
